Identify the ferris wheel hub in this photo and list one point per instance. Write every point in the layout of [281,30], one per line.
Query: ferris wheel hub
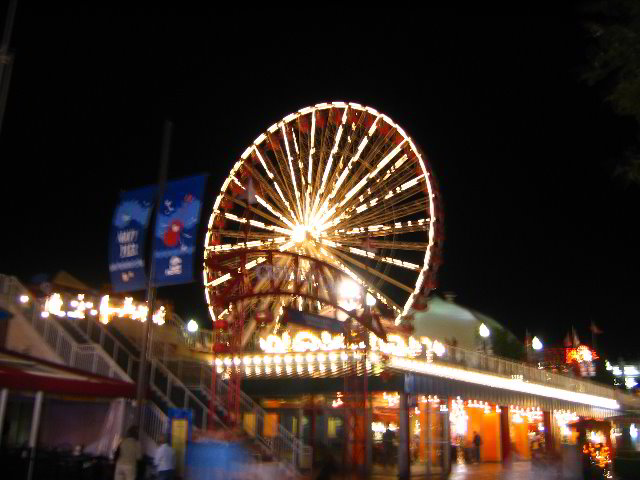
[299,233]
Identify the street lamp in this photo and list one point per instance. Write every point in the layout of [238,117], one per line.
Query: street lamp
[536,344]
[192,326]
[484,331]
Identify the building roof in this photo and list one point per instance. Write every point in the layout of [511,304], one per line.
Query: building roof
[445,319]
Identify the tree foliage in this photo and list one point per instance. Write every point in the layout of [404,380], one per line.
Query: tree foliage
[506,345]
[614,27]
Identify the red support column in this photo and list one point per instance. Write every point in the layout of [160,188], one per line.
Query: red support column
[504,434]
[548,431]
[404,465]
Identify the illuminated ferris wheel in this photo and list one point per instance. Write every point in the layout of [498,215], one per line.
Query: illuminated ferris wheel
[331,208]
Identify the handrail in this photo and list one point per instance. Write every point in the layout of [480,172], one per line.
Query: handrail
[86,357]
[203,340]
[170,388]
[189,400]
[523,371]
[154,422]
[284,445]
[98,334]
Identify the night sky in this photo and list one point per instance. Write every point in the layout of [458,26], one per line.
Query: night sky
[540,233]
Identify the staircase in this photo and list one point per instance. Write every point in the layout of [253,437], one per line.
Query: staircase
[84,356]
[283,445]
[165,389]
[101,349]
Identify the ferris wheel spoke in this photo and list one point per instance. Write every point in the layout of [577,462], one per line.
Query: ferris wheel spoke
[379,186]
[367,285]
[398,212]
[327,212]
[261,244]
[382,230]
[242,234]
[327,169]
[326,146]
[227,276]
[352,187]
[276,197]
[373,208]
[393,200]
[373,256]
[401,171]
[305,155]
[281,163]
[258,224]
[393,245]
[282,222]
[285,134]
[370,270]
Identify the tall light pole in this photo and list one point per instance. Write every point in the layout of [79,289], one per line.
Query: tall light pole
[6,59]
[151,291]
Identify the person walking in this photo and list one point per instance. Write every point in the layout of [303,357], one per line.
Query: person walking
[387,442]
[477,441]
[127,456]
[165,459]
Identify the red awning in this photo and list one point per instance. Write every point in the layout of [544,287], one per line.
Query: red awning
[23,372]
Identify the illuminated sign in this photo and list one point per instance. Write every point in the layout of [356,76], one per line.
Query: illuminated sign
[580,354]
[307,341]
[80,307]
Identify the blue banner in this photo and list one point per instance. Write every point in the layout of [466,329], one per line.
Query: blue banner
[127,239]
[174,240]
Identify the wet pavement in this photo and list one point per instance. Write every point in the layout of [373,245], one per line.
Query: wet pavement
[521,470]
[490,471]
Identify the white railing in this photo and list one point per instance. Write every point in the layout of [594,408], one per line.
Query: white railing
[97,333]
[284,445]
[165,383]
[87,357]
[153,422]
[523,371]
[176,393]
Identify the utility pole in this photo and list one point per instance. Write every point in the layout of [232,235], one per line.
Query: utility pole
[146,329]
[6,59]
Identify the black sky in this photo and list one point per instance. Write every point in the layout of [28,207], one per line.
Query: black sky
[539,232]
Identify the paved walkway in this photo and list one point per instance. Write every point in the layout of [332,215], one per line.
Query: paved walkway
[491,471]
[483,471]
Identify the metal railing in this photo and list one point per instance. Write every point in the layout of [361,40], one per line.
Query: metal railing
[519,370]
[87,357]
[162,381]
[153,422]
[176,394]
[283,444]
[97,333]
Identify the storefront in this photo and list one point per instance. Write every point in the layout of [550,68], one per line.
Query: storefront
[413,424]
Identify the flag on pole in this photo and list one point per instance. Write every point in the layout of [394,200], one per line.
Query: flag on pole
[576,340]
[594,328]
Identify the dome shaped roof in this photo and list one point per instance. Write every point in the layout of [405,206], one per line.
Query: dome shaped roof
[446,320]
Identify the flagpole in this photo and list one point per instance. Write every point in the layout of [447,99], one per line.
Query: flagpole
[146,329]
